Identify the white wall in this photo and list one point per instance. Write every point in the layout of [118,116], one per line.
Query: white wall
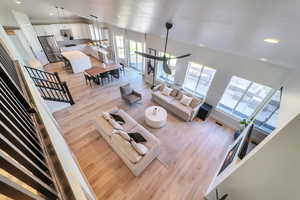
[7,18]
[54,106]
[227,65]
[16,39]
[9,45]
[271,171]
[290,105]
[30,35]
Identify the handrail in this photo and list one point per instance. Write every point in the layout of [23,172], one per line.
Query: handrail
[80,188]
[50,85]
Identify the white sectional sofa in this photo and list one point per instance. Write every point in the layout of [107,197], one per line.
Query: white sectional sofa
[134,161]
[172,102]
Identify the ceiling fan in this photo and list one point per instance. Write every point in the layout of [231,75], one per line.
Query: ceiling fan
[164,58]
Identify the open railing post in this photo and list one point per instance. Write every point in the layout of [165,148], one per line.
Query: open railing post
[64,84]
[50,85]
[57,77]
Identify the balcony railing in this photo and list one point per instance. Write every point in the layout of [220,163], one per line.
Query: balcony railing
[35,160]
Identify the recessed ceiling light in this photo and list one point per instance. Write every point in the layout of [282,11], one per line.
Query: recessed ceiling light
[18,2]
[272,40]
[51,14]
[263,59]
[202,45]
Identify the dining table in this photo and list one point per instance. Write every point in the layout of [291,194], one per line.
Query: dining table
[95,71]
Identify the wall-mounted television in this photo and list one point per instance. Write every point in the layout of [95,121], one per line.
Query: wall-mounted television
[246,141]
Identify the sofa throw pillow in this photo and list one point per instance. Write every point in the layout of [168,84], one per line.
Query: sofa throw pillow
[140,148]
[185,100]
[174,92]
[127,148]
[106,115]
[115,124]
[157,87]
[137,137]
[162,86]
[118,118]
[179,95]
[123,134]
[167,91]
[195,102]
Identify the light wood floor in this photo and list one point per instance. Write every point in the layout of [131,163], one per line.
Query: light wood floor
[203,145]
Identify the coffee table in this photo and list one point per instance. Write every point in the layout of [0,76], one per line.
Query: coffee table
[155,116]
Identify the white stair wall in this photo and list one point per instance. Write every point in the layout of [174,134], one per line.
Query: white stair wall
[54,106]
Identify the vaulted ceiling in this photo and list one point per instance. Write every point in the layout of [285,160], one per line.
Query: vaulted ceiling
[235,26]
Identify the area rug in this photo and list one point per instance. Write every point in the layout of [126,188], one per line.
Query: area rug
[174,136]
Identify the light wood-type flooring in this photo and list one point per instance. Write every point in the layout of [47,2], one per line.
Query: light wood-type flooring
[197,149]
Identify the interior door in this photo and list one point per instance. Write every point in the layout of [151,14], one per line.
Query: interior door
[135,61]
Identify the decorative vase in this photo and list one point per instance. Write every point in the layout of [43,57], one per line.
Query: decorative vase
[155,111]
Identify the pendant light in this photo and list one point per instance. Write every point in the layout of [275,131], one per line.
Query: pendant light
[63,16]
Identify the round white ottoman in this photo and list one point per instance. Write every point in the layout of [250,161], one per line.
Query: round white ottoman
[156,116]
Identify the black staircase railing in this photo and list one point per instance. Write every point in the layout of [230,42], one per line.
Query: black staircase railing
[50,85]
[21,151]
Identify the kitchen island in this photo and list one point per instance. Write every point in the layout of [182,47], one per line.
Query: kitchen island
[78,60]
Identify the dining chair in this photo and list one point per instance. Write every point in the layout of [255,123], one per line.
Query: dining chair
[122,69]
[115,73]
[104,76]
[89,78]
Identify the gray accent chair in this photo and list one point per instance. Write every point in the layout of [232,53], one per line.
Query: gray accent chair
[129,95]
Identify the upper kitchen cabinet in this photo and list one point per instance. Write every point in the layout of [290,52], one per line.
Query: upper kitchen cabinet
[79,30]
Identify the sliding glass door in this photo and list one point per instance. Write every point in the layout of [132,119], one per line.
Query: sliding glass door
[135,61]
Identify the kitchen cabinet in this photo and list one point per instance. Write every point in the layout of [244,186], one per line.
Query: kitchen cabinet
[79,30]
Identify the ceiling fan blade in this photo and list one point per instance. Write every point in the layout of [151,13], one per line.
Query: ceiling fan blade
[150,56]
[224,197]
[166,68]
[183,56]
[146,55]
[168,27]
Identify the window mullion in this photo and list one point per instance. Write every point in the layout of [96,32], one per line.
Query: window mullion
[199,78]
[265,101]
[236,105]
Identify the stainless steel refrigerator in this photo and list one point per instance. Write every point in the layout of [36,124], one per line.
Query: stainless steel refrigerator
[50,48]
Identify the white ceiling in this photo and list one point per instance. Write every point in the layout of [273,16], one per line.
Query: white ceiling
[235,26]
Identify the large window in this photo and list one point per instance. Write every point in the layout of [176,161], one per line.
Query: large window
[198,79]
[242,97]
[135,61]
[266,119]
[161,73]
[120,46]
